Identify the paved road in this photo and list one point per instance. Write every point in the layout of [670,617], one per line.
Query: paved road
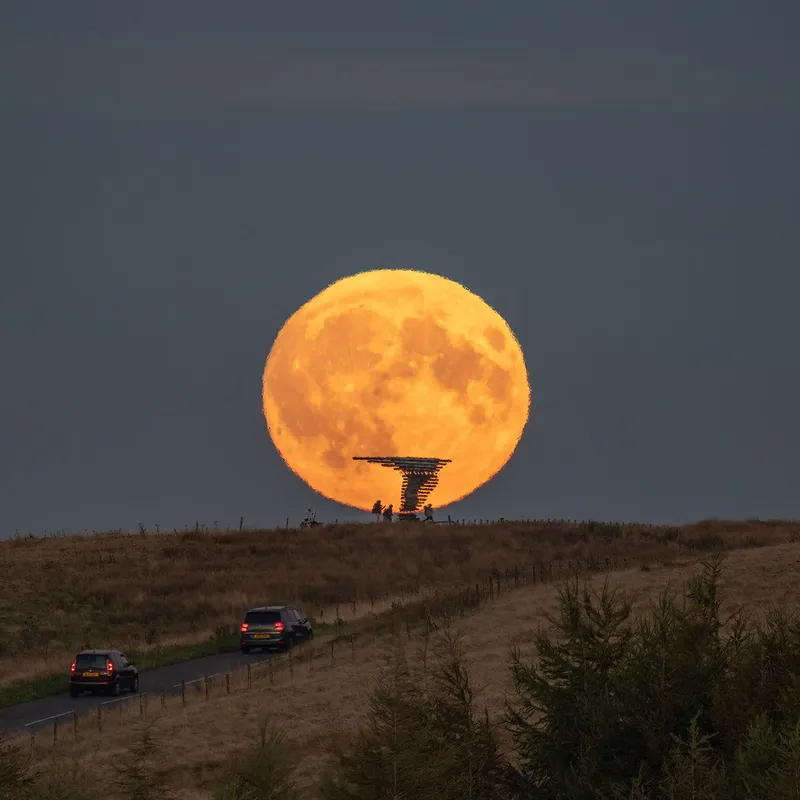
[152,681]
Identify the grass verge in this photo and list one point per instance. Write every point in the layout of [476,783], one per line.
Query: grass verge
[22,691]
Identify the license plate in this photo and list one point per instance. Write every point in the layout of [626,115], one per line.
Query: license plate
[261,635]
[91,674]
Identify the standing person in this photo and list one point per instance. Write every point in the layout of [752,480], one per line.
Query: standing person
[428,509]
[387,513]
[377,510]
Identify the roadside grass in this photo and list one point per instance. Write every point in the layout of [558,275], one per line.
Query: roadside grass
[170,596]
[21,691]
[330,701]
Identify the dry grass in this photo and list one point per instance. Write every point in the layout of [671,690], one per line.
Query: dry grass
[139,591]
[313,705]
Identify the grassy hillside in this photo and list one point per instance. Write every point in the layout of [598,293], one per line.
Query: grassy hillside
[145,592]
[327,704]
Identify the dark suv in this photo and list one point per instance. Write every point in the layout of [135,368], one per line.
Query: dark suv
[274,626]
[102,671]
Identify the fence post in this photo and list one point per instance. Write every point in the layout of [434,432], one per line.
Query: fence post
[310,657]
[141,705]
[163,701]
[249,677]
[331,653]
[291,665]
[55,730]
[205,685]
[183,691]
[99,718]
[227,683]
[353,645]
[75,722]
[269,667]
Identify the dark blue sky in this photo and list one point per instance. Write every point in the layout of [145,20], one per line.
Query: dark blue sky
[622,185]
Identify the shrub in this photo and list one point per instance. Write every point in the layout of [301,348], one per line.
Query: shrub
[138,774]
[657,708]
[15,775]
[423,739]
[263,771]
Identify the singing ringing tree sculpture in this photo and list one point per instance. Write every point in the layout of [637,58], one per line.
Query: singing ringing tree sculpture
[420,476]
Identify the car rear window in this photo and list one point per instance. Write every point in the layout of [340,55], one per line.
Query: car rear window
[91,660]
[262,617]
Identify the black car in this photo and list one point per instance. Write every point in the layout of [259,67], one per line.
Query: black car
[107,671]
[274,626]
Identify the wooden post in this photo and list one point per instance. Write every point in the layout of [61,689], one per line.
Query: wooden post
[227,683]
[249,677]
[183,691]
[75,722]
[353,645]
[311,658]
[241,522]
[331,653]
[269,665]
[205,685]
[291,665]
[141,705]
[99,718]
[163,701]
[55,730]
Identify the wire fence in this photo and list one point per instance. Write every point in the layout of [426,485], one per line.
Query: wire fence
[414,617]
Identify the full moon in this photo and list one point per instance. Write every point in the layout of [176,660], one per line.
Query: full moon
[395,363]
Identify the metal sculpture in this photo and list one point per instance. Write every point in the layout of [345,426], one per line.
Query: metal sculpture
[420,476]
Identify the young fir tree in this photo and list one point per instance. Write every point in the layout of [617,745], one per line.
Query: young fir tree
[15,776]
[266,770]
[422,740]
[139,776]
[570,736]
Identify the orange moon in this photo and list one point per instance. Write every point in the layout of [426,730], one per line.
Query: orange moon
[395,363]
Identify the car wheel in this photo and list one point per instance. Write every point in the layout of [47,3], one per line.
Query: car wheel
[114,690]
[310,634]
[245,650]
[289,643]
[73,692]
[135,687]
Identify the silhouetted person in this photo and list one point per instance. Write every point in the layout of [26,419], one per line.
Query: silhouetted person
[387,513]
[428,512]
[377,510]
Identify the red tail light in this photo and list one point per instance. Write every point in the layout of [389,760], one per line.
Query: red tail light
[72,668]
[109,667]
[278,626]
[244,627]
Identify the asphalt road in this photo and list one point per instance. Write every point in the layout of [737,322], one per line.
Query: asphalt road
[152,681]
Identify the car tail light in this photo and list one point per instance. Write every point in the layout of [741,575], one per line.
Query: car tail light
[72,668]
[244,628]
[109,667]
[278,626]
